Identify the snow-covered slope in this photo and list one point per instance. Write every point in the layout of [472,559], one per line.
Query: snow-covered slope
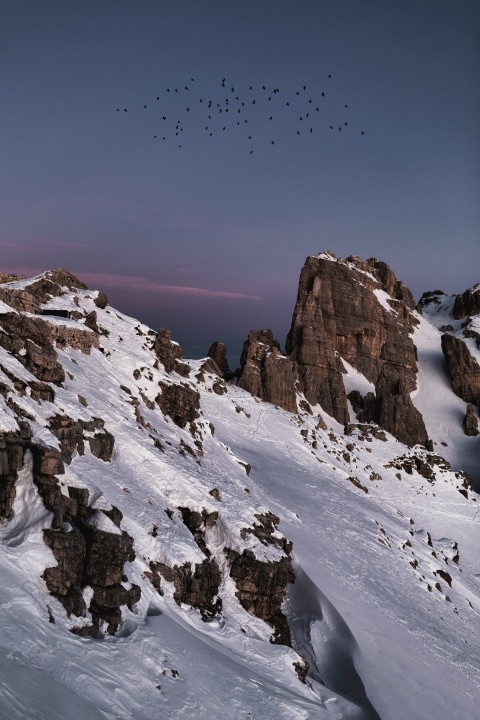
[386,602]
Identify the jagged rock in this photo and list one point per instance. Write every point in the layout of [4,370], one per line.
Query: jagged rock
[218,353]
[101,445]
[36,294]
[72,434]
[337,314]
[114,596]
[364,407]
[463,369]
[428,298]
[179,401]
[470,422]
[261,588]
[467,304]
[41,391]
[265,372]
[107,553]
[395,411]
[10,277]
[69,549]
[91,321]
[264,530]
[197,522]
[101,300]
[169,353]
[29,340]
[198,589]
[12,450]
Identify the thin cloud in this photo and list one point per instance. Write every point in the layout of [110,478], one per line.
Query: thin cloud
[59,244]
[132,282]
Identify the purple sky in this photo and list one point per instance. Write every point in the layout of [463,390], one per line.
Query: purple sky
[208,239]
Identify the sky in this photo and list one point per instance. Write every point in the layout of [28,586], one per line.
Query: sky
[208,239]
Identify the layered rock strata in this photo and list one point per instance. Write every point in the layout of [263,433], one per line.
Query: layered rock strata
[342,311]
[265,372]
[463,369]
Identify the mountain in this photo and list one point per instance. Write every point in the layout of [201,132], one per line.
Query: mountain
[295,540]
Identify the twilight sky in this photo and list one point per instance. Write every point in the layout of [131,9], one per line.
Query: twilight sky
[209,239]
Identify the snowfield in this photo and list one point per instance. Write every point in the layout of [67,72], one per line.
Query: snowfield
[386,604]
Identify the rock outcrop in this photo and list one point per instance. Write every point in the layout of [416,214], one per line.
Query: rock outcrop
[53,283]
[463,369]
[342,311]
[179,401]
[218,353]
[265,372]
[170,353]
[468,303]
[85,554]
[470,422]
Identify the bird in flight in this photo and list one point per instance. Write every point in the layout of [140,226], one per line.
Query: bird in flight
[169,104]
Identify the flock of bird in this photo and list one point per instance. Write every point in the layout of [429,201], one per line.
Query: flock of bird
[244,112]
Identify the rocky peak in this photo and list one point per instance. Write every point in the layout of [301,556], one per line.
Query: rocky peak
[359,311]
[468,303]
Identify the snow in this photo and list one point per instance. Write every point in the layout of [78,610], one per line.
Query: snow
[383,298]
[361,610]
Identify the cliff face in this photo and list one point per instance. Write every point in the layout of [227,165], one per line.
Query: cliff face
[358,311]
[265,372]
[351,309]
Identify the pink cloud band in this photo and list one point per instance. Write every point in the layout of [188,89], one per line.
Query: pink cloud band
[133,282]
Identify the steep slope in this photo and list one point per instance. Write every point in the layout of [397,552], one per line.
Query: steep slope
[150,508]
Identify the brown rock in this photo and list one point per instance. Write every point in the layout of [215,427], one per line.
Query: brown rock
[101,300]
[261,588]
[101,445]
[179,401]
[69,549]
[467,304]
[107,554]
[463,369]
[337,314]
[166,350]
[218,353]
[198,589]
[265,372]
[470,422]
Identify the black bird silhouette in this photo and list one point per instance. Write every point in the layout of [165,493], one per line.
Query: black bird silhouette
[223,105]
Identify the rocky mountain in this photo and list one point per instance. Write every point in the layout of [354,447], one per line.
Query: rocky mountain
[288,541]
